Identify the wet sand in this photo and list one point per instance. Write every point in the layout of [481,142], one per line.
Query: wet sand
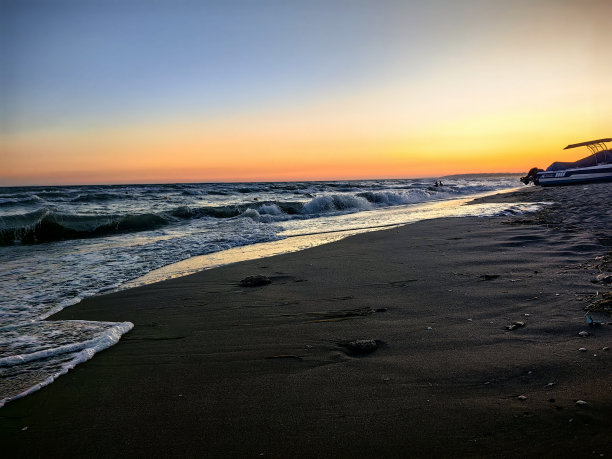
[214,369]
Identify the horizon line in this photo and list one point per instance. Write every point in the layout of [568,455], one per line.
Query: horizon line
[432,177]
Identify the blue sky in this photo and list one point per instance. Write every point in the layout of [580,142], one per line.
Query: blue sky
[68,60]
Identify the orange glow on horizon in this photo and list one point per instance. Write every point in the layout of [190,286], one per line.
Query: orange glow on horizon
[307,144]
[375,134]
[399,131]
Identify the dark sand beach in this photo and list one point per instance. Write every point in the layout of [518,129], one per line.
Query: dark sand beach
[214,369]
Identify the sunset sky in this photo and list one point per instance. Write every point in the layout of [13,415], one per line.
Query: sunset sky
[240,90]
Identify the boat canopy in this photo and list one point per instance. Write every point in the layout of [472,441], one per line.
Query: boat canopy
[599,157]
[594,145]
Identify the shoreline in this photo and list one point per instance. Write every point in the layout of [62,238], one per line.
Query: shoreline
[291,242]
[220,370]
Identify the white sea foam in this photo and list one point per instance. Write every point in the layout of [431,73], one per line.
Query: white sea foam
[395,198]
[270,209]
[335,203]
[38,347]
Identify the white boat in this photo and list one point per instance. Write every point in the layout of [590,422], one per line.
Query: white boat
[597,167]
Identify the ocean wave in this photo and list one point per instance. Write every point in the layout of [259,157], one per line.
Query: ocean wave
[190,192]
[218,193]
[59,195]
[266,207]
[335,203]
[80,216]
[14,201]
[100,197]
[267,213]
[46,225]
[394,198]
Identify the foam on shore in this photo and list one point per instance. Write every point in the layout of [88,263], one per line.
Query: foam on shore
[34,356]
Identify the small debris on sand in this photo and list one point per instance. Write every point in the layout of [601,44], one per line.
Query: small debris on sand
[601,303]
[255,281]
[581,403]
[361,346]
[593,322]
[583,349]
[602,279]
[583,334]
[522,398]
[515,325]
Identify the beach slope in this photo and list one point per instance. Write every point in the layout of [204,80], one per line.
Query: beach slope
[450,337]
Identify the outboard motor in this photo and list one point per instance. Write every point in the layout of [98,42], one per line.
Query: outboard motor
[532,176]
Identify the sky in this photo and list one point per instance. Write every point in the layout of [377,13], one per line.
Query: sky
[138,91]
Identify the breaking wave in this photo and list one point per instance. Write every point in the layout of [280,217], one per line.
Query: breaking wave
[48,224]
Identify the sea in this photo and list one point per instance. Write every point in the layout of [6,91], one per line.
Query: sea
[60,244]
